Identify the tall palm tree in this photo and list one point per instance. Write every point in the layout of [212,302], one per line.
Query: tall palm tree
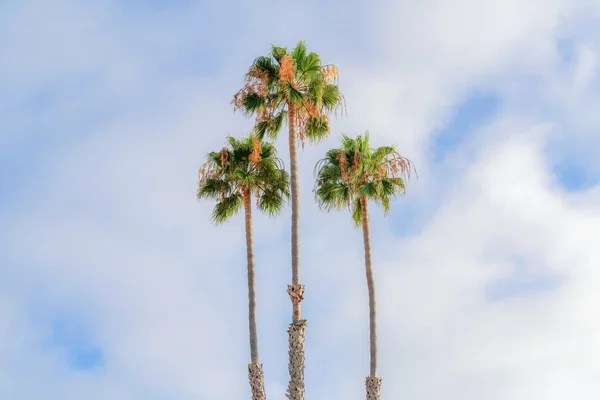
[232,176]
[350,177]
[295,86]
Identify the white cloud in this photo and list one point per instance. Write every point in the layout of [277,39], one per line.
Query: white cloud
[109,229]
[531,345]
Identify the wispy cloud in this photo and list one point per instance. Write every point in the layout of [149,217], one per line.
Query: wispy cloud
[113,283]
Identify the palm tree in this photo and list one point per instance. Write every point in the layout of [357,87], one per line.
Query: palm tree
[348,177]
[297,87]
[232,176]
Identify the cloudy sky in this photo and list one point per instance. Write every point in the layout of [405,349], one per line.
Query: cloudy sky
[114,284]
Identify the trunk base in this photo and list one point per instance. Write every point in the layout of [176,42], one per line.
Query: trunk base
[257,381]
[296,332]
[373,385]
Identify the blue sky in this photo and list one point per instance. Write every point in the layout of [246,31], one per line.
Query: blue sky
[114,284]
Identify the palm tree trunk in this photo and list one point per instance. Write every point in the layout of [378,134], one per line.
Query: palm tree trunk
[255,373]
[297,329]
[373,384]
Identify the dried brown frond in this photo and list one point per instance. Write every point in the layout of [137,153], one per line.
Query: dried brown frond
[224,156]
[287,69]
[302,136]
[257,83]
[381,171]
[206,171]
[330,73]
[341,107]
[265,113]
[342,161]
[258,73]
[255,86]
[304,113]
[400,166]
[301,120]
[355,160]
[202,175]
[256,151]
[313,110]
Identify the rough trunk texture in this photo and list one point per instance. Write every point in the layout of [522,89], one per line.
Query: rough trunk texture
[257,381]
[255,373]
[297,329]
[296,334]
[373,385]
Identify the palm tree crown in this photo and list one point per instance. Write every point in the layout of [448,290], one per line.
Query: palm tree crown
[282,80]
[246,167]
[355,170]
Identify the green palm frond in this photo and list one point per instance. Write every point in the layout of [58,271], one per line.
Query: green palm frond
[214,189]
[253,103]
[293,95]
[385,203]
[317,127]
[315,92]
[331,97]
[226,208]
[382,152]
[357,212]
[278,52]
[299,53]
[266,65]
[271,127]
[267,152]
[271,202]
[262,130]
[369,190]
[333,195]
[309,66]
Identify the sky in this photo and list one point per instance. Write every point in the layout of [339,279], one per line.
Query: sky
[114,283]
